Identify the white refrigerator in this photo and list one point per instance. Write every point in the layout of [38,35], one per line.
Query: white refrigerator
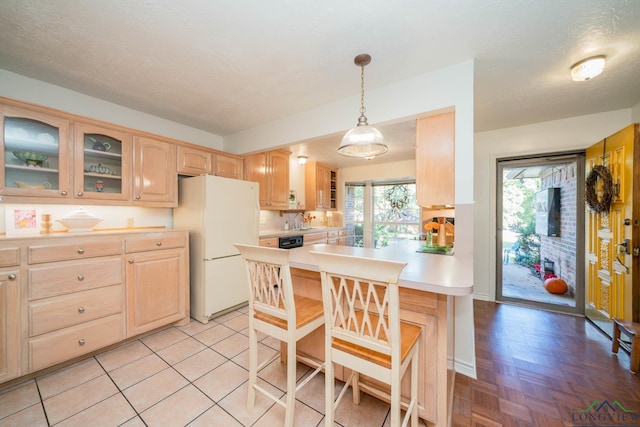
[218,212]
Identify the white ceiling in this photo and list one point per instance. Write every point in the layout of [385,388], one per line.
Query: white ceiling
[226,66]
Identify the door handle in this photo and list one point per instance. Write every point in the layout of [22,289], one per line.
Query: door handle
[624,247]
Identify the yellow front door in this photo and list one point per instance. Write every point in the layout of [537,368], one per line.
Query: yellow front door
[609,238]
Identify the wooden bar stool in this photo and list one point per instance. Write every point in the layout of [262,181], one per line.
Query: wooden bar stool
[632,330]
[363,332]
[276,311]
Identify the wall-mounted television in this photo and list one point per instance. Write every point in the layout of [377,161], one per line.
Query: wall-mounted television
[548,212]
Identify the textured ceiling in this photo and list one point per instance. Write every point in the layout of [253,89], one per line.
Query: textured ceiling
[226,66]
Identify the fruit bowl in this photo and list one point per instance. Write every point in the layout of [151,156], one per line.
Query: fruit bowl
[31,158]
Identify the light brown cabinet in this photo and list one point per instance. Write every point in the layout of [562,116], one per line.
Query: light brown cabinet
[155,178]
[271,242]
[227,166]
[54,157]
[35,154]
[10,350]
[102,163]
[320,186]
[157,271]
[342,237]
[271,170]
[193,161]
[315,237]
[435,160]
[81,293]
[75,298]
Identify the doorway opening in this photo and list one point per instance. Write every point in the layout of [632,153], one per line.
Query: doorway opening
[540,232]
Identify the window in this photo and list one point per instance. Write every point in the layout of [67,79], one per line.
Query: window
[381,213]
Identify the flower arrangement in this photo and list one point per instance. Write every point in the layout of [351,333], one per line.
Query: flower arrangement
[308,218]
[432,226]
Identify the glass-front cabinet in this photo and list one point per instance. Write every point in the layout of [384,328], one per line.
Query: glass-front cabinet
[35,154]
[102,163]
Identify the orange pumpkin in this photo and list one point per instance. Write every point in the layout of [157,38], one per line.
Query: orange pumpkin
[555,285]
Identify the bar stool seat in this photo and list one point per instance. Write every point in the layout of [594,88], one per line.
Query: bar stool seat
[274,310]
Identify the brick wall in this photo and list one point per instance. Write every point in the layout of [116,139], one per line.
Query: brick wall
[562,250]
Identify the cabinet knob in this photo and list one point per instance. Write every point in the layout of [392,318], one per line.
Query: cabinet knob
[80,251]
[158,243]
[80,193]
[130,260]
[80,309]
[81,341]
[12,276]
[64,192]
[81,277]
[138,197]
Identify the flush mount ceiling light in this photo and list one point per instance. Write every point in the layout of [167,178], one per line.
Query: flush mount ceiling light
[587,69]
[363,140]
[302,160]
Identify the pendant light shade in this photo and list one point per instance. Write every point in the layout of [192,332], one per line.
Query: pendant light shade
[363,140]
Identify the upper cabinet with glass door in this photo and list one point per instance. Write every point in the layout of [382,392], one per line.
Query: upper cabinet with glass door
[34,155]
[102,167]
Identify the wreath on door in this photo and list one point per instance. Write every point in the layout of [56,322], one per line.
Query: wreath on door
[599,189]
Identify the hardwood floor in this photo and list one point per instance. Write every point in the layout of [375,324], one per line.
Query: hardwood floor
[538,368]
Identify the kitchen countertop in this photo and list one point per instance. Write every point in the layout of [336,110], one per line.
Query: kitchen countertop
[284,233]
[448,275]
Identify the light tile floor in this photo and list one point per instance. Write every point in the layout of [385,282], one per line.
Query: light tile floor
[194,375]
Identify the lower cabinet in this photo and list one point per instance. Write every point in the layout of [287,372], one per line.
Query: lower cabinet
[83,293]
[156,292]
[315,237]
[271,242]
[9,323]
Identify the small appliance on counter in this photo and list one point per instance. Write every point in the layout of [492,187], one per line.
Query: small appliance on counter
[290,242]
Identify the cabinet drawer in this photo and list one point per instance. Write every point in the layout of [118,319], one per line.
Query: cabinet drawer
[65,344]
[73,277]
[311,238]
[332,233]
[71,251]
[271,242]
[9,257]
[160,241]
[343,232]
[60,312]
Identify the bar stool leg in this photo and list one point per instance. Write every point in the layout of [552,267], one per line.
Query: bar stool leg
[615,344]
[635,354]
[253,368]
[291,383]
[329,395]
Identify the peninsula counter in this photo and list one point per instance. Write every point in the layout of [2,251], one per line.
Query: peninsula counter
[427,286]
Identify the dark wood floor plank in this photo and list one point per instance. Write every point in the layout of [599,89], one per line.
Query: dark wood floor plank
[539,368]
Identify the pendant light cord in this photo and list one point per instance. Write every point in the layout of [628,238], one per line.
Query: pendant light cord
[362,109]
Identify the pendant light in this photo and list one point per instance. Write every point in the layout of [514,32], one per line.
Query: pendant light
[363,140]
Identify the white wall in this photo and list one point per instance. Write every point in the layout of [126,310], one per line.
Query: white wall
[635,114]
[575,133]
[37,92]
